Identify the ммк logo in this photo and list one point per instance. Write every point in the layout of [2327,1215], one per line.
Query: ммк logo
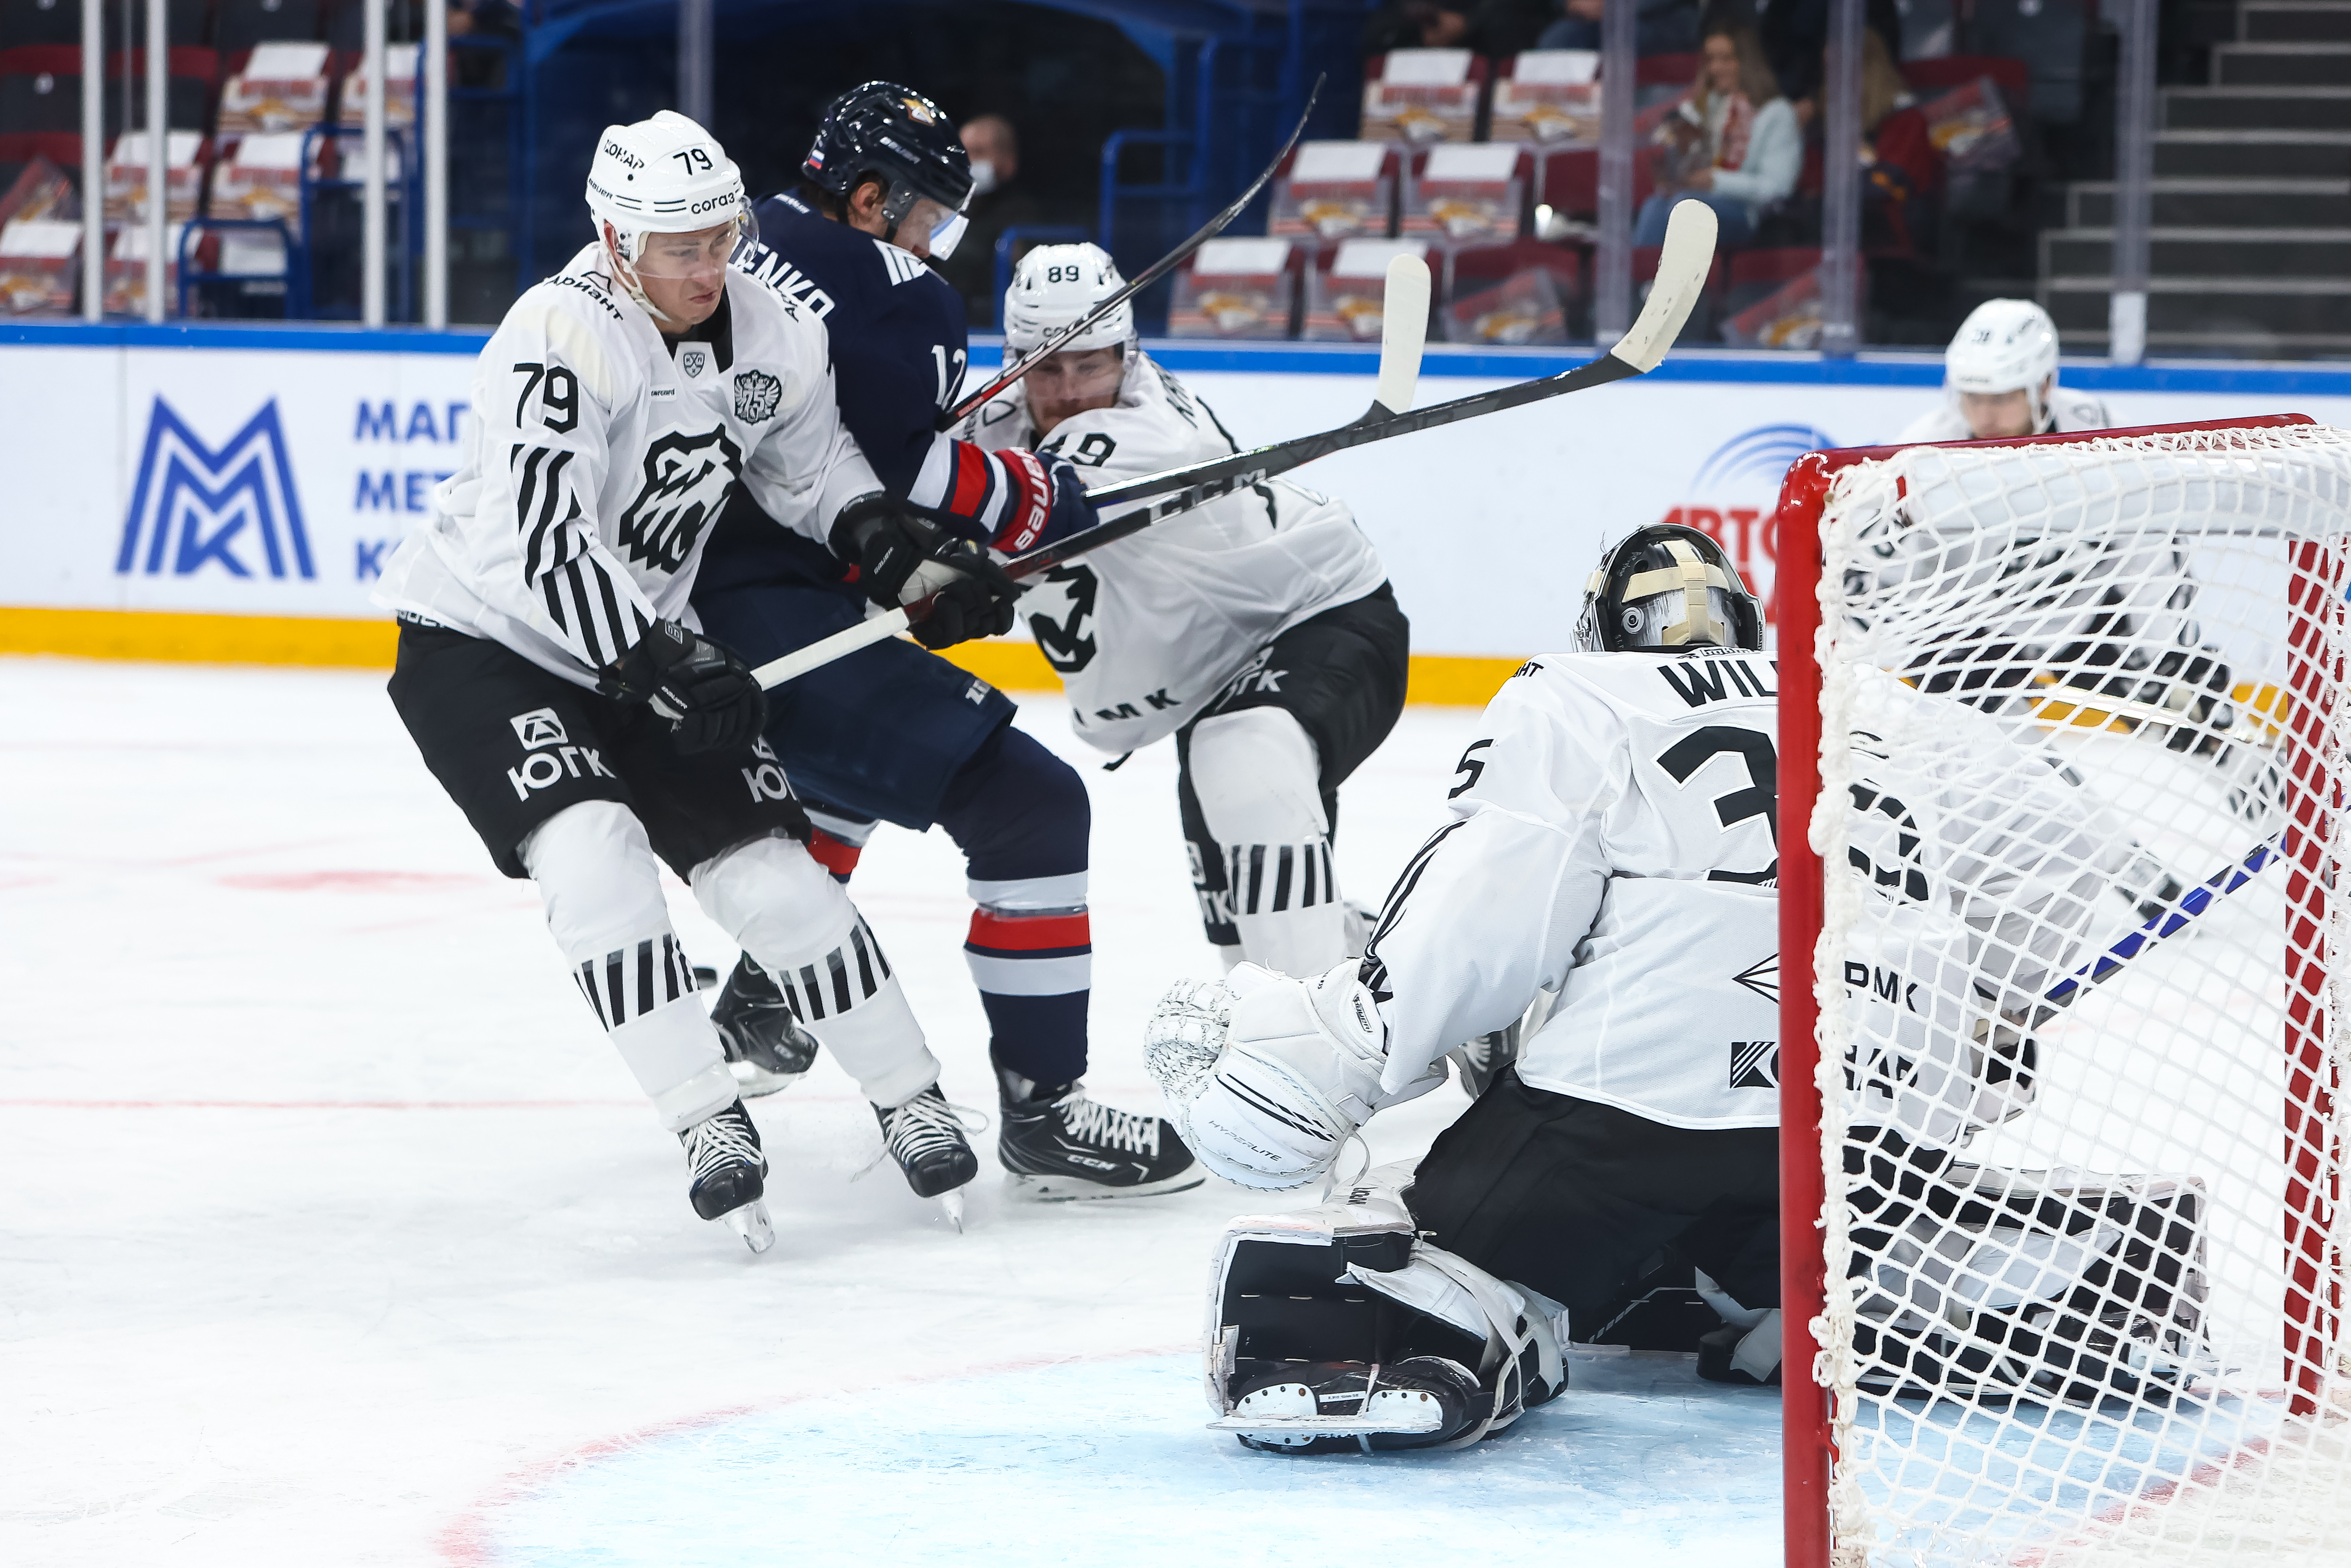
[191,505]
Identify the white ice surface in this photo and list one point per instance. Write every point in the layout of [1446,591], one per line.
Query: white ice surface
[335,1233]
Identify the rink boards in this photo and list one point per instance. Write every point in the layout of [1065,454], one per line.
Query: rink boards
[254,479]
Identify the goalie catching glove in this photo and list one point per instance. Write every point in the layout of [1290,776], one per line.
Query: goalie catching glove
[900,558]
[710,696]
[1267,1077]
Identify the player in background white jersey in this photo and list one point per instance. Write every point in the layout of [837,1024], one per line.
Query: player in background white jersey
[2097,613]
[1999,381]
[1614,840]
[552,671]
[1260,630]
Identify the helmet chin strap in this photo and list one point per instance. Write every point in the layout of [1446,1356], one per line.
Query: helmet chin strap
[627,273]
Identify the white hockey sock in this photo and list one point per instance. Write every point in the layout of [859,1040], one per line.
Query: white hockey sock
[798,924]
[1255,775]
[601,884]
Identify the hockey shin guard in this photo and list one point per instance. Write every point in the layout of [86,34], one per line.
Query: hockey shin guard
[1256,780]
[598,878]
[785,911]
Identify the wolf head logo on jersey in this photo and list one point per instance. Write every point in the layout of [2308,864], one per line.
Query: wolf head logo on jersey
[686,480]
[757,395]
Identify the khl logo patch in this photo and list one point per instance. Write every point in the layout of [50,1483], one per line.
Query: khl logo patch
[191,504]
[756,394]
[691,362]
[539,727]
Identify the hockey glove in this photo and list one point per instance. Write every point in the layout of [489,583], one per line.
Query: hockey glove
[900,558]
[1267,1076]
[708,695]
[1048,500]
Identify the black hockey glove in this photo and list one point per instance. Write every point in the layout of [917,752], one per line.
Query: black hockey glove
[898,556]
[708,695]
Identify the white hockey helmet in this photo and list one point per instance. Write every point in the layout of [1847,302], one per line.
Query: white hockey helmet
[1056,285]
[2003,346]
[664,175]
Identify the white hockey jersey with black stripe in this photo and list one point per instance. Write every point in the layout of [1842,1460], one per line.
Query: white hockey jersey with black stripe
[597,458]
[1615,841]
[1145,632]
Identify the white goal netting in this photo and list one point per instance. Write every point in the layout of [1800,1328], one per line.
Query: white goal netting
[2083,712]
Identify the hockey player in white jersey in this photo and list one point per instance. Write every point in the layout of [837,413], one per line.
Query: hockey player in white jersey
[555,679]
[2099,615]
[1614,839]
[1260,630]
[1999,381]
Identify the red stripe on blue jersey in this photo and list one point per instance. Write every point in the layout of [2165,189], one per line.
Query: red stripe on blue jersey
[1031,935]
[836,857]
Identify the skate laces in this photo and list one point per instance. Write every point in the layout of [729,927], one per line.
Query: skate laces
[1092,1122]
[924,1125]
[716,1142]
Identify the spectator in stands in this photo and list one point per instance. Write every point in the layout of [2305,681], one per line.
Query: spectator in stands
[1795,35]
[998,202]
[1663,27]
[1486,27]
[1734,145]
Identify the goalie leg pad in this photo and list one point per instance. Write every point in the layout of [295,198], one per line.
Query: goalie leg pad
[1335,1328]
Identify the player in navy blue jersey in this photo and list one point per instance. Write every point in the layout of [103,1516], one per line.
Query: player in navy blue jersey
[894,733]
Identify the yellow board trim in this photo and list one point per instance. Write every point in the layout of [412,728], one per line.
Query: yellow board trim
[198,639]
[1437,679]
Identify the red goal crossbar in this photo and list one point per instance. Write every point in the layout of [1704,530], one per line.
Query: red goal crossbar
[2313,1301]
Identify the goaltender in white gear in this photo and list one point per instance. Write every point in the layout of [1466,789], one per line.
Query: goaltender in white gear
[1168,632]
[2000,379]
[1613,839]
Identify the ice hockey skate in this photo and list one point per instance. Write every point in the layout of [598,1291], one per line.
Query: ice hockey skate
[1057,1144]
[767,1049]
[926,1137]
[730,1174]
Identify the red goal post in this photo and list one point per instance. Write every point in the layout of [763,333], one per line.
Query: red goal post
[2310,1145]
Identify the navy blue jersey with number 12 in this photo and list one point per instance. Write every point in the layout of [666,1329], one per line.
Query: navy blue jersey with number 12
[898,351]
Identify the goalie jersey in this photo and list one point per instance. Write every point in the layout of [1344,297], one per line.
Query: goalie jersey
[599,456]
[1145,632]
[1615,841]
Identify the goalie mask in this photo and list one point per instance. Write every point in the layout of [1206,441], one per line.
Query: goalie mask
[1665,588]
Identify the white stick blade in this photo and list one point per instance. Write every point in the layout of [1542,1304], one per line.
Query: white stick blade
[1404,330]
[1682,266]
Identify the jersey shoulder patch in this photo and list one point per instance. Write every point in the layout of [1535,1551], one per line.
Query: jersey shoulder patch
[903,265]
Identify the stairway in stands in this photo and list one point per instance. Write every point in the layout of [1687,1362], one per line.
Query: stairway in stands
[2250,241]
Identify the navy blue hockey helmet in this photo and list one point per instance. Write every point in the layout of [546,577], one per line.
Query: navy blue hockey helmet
[1665,588]
[882,128]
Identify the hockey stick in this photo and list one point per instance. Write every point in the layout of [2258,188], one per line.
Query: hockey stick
[1682,269]
[1404,330]
[1143,281]
[2201,898]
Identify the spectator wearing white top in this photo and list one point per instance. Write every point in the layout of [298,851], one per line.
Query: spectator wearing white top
[1739,133]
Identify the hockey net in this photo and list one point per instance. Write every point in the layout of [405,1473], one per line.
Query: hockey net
[2065,1264]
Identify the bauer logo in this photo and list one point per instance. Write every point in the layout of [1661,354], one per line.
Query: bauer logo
[539,727]
[235,509]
